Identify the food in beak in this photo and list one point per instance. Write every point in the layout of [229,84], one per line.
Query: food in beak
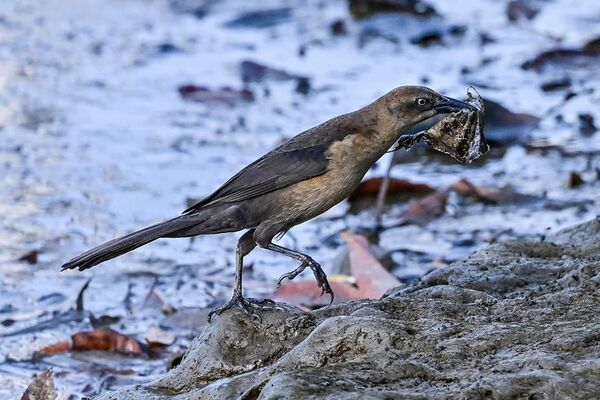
[460,134]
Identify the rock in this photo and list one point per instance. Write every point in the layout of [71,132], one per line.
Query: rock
[517,320]
[41,387]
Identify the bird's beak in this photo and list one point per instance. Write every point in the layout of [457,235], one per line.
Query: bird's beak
[449,105]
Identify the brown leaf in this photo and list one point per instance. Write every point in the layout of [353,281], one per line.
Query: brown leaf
[370,188]
[30,257]
[575,180]
[41,387]
[492,195]
[372,279]
[99,339]
[424,210]
[306,292]
[55,348]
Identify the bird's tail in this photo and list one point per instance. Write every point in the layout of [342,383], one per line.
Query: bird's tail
[122,245]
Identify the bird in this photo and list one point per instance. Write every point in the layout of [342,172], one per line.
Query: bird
[293,183]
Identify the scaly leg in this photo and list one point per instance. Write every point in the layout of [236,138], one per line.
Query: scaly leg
[305,261]
[245,245]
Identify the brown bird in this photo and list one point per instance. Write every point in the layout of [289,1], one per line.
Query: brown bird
[300,179]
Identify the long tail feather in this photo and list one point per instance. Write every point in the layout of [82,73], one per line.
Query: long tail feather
[122,245]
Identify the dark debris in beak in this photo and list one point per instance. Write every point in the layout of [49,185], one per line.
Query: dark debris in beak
[459,133]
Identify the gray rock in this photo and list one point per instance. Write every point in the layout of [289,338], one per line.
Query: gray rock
[518,320]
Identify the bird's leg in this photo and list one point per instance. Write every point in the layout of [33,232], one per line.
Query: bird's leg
[305,261]
[245,245]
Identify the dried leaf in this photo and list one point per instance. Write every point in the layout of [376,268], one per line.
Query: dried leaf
[370,188]
[41,387]
[575,180]
[424,210]
[491,195]
[99,339]
[306,292]
[30,257]
[55,348]
[371,279]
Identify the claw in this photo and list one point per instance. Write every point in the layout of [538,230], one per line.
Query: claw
[240,302]
[292,274]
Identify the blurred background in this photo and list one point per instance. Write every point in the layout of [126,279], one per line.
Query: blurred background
[116,113]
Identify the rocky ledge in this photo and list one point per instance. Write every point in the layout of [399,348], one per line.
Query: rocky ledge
[517,320]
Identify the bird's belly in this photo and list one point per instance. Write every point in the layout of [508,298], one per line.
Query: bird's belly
[312,197]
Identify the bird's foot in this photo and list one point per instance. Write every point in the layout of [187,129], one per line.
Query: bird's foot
[317,271]
[247,305]
[408,141]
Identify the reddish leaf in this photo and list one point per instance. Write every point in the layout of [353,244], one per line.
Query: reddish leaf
[306,292]
[372,279]
[30,257]
[58,347]
[491,195]
[370,188]
[99,339]
[424,210]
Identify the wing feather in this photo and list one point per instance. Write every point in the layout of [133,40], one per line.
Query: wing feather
[274,171]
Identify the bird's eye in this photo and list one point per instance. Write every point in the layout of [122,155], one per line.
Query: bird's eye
[421,102]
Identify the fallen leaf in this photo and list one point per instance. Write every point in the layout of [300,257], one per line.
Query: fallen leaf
[372,279]
[30,257]
[370,188]
[41,387]
[98,339]
[575,180]
[492,195]
[369,280]
[306,292]
[424,210]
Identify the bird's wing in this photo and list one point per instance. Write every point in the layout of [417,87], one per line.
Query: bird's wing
[271,172]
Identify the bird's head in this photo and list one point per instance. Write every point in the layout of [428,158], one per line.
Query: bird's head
[415,108]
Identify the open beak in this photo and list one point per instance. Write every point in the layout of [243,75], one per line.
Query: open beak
[449,105]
